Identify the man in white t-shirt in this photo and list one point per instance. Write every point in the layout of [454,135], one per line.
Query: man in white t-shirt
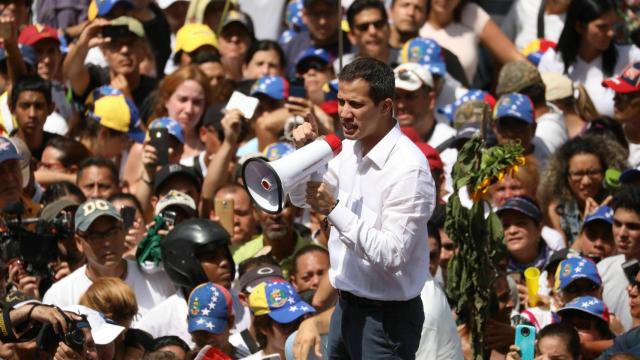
[416,101]
[626,233]
[99,234]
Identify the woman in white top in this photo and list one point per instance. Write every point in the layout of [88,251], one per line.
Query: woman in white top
[459,26]
[586,52]
[535,19]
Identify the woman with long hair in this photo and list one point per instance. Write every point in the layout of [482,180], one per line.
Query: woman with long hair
[574,177]
[586,51]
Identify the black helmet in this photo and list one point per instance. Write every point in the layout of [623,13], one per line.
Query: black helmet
[180,246]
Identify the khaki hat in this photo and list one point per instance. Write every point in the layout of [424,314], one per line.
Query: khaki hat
[516,76]
[471,112]
[135,26]
[558,86]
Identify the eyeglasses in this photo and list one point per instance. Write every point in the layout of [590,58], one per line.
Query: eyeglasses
[378,24]
[581,288]
[99,236]
[591,174]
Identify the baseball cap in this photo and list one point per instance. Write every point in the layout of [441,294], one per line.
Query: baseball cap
[628,175]
[28,54]
[278,300]
[52,210]
[105,6]
[243,19]
[168,171]
[32,34]
[103,331]
[516,106]
[603,213]
[449,110]
[210,307]
[25,159]
[432,155]
[589,305]
[466,132]
[517,75]
[558,86]
[192,36]
[275,87]
[92,209]
[265,273]
[135,26]
[293,17]
[524,205]
[176,198]
[308,3]
[575,268]
[426,52]
[172,126]
[470,112]
[313,53]
[627,82]
[8,150]
[163,4]
[119,113]
[411,76]
[536,48]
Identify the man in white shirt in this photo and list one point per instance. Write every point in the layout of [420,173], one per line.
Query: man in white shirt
[626,233]
[378,195]
[100,234]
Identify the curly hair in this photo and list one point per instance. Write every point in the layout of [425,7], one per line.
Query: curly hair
[555,185]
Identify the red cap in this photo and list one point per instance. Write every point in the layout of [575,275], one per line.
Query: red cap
[627,82]
[334,142]
[31,34]
[411,133]
[433,157]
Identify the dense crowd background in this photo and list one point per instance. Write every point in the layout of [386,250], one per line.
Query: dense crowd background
[127,232]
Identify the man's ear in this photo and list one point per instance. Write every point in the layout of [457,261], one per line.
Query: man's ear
[78,243]
[387,106]
[154,201]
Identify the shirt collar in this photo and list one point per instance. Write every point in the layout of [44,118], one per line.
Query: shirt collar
[381,151]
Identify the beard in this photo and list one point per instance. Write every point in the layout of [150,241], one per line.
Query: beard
[276,235]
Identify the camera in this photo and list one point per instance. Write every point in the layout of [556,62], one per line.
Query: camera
[48,340]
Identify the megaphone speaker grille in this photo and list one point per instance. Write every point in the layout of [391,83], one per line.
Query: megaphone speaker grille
[263,185]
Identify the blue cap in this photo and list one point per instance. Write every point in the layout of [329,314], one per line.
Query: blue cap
[522,204]
[603,213]
[171,125]
[449,110]
[8,150]
[515,105]
[628,175]
[589,305]
[575,268]
[294,16]
[275,87]
[210,306]
[105,6]
[425,52]
[279,300]
[318,53]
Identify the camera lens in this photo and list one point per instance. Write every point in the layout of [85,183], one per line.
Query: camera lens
[74,338]
[525,331]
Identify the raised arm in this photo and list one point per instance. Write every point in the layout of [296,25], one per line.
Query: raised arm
[499,44]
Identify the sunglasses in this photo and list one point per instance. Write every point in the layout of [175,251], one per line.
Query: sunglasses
[311,64]
[378,24]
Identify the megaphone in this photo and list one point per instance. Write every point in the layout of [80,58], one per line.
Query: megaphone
[268,183]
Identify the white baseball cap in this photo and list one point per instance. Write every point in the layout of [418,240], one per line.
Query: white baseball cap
[411,76]
[166,3]
[103,332]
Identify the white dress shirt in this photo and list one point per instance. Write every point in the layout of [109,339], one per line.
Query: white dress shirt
[378,242]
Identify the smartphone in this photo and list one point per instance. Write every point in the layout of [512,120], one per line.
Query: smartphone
[160,141]
[169,218]
[224,212]
[115,31]
[631,268]
[526,341]
[297,90]
[128,214]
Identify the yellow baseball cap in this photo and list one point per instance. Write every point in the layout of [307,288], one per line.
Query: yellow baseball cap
[118,113]
[192,36]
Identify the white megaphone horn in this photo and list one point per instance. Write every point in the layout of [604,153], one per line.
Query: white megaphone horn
[268,183]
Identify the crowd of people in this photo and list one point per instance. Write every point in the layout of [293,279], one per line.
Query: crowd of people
[128,231]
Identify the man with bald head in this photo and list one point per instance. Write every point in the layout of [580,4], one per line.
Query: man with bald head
[244,224]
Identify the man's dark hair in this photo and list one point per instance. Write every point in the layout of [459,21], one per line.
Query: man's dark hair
[303,251]
[628,198]
[536,93]
[266,45]
[98,162]
[377,74]
[30,83]
[73,152]
[169,340]
[204,57]
[59,189]
[566,333]
[433,231]
[360,5]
